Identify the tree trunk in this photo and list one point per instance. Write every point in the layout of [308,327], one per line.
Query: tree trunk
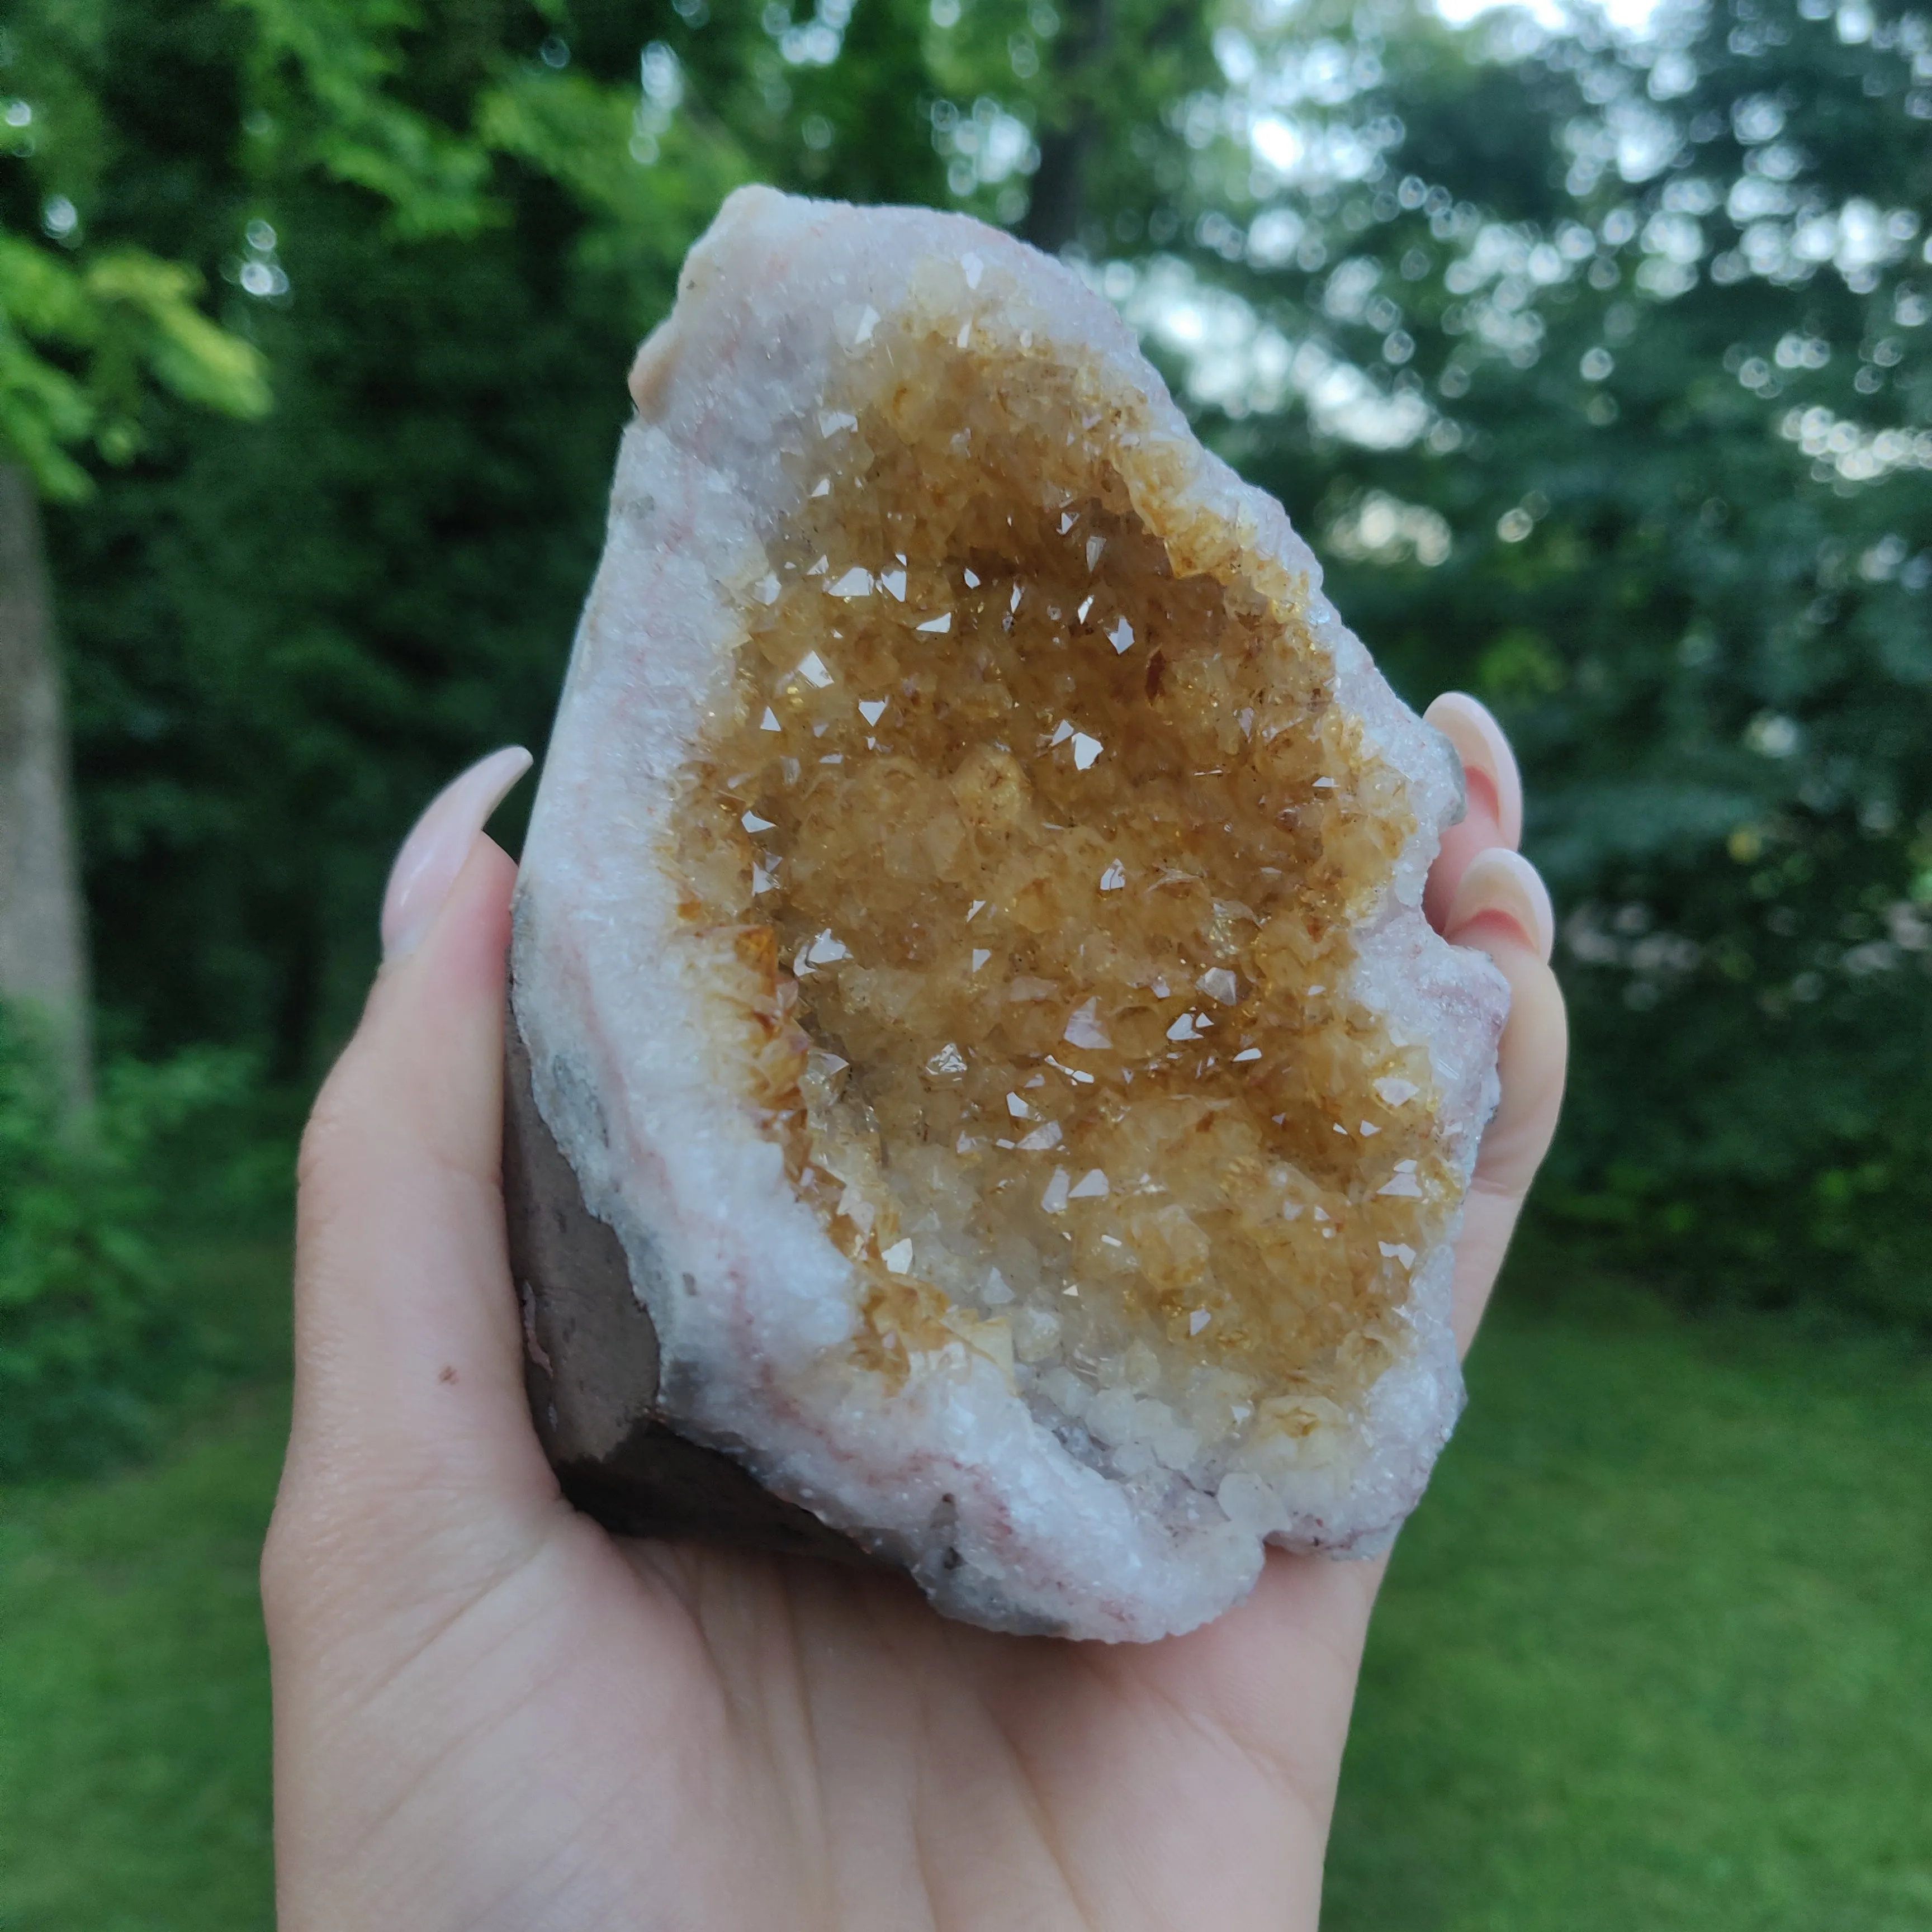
[1058,204]
[43,946]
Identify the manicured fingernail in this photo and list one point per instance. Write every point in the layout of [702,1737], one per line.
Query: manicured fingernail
[1503,882]
[433,854]
[1480,743]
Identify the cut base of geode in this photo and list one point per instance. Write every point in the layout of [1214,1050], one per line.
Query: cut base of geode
[970,956]
[590,1367]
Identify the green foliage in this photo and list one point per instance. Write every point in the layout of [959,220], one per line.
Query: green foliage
[578,134]
[1594,363]
[93,1329]
[86,333]
[129,319]
[1598,369]
[322,78]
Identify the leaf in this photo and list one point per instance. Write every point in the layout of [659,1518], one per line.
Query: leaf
[332,63]
[77,342]
[190,355]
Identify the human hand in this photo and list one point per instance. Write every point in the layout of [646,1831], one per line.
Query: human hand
[491,1714]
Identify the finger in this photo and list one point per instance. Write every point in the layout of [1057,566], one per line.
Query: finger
[409,1356]
[438,846]
[1495,786]
[1502,909]
[1501,886]
[1494,790]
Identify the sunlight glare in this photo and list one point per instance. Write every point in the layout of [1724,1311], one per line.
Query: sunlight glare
[1632,16]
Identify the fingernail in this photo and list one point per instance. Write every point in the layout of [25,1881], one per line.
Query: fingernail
[433,854]
[1481,745]
[1503,882]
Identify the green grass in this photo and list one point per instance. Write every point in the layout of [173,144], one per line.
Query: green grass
[1658,1650]
[134,1792]
[1654,1655]
[134,1759]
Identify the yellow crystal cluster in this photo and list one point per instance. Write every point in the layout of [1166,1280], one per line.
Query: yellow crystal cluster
[1026,850]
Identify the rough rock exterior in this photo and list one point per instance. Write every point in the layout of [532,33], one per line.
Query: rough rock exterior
[969,952]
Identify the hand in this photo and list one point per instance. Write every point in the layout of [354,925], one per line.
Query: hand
[490,1715]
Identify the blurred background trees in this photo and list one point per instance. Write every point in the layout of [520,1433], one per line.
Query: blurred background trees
[1592,361]
[84,335]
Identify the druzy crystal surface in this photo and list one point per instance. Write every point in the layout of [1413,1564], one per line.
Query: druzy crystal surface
[969,950]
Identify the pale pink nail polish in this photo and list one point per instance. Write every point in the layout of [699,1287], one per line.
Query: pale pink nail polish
[1506,883]
[1482,744]
[434,853]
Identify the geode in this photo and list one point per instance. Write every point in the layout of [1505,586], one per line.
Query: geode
[993,1102]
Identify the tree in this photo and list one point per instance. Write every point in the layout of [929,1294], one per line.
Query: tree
[333,605]
[42,948]
[86,334]
[1593,364]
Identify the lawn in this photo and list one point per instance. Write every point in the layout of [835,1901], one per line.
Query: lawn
[1653,1654]
[134,1757]
[1658,1650]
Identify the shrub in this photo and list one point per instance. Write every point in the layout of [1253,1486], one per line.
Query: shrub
[94,1331]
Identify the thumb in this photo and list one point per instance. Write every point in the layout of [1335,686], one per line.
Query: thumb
[409,1381]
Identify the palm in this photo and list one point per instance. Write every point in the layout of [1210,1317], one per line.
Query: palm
[751,1741]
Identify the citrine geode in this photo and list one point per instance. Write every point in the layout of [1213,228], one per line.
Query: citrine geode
[970,957]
